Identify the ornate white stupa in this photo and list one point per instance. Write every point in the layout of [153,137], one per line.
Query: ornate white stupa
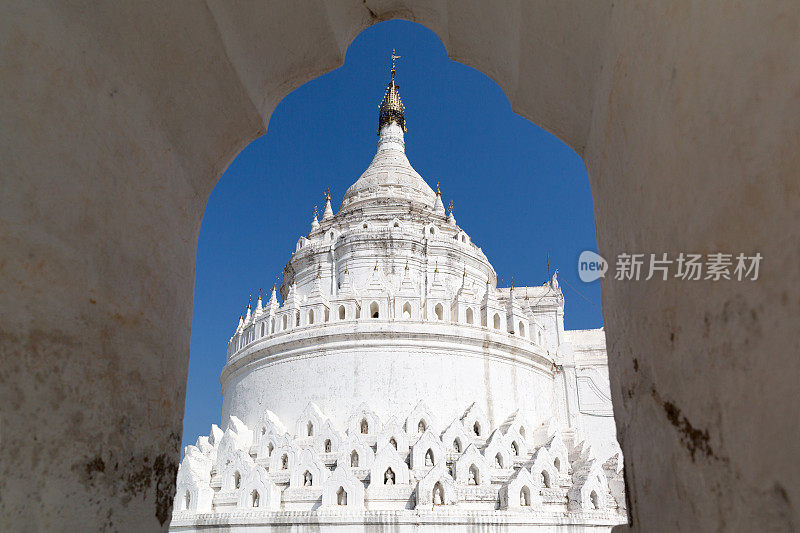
[396,385]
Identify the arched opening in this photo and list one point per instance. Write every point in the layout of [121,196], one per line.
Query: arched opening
[327,314]
[327,445]
[525,496]
[476,428]
[521,329]
[263,327]
[474,476]
[522,431]
[422,426]
[496,321]
[431,230]
[457,446]
[354,459]
[310,316]
[272,326]
[396,224]
[515,448]
[498,460]
[255,499]
[342,312]
[545,478]
[374,311]
[364,426]
[595,499]
[269,449]
[438,311]
[297,319]
[438,494]
[557,464]
[393,443]
[308,479]
[284,462]
[407,311]
[429,458]
[341,496]
[237,479]
[388,477]
[310,428]
[285,323]
[187,500]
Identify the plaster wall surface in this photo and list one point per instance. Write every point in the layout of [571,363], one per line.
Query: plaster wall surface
[117,122]
[390,369]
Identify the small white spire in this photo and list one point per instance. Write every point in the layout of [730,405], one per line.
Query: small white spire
[315,222]
[438,206]
[273,299]
[259,306]
[328,210]
[451,219]
[248,315]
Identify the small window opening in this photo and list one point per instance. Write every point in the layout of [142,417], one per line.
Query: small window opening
[373,310]
[354,459]
[341,496]
[595,500]
[341,312]
[439,311]
[525,497]
[474,476]
[364,426]
[255,498]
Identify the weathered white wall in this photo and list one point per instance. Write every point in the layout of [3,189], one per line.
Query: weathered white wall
[390,366]
[118,119]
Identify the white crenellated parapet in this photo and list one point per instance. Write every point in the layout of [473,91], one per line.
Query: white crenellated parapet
[269,471]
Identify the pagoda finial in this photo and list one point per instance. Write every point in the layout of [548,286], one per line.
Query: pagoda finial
[394,57]
[391,108]
[249,298]
[438,192]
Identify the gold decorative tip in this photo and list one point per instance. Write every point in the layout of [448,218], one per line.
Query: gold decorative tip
[327,195]
[376,266]
[406,265]
[438,192]
[391,108]
[315,211]
[450,205]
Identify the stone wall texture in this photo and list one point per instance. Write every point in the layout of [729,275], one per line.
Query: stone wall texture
[118,119]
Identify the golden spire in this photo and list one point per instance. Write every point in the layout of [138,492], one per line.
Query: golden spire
[438,192]
[391,108]
[327,195]
[248,301]
[406,264]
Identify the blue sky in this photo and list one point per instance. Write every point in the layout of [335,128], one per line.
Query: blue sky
[519,192]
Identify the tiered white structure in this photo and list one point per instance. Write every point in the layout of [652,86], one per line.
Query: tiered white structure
[396,384]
